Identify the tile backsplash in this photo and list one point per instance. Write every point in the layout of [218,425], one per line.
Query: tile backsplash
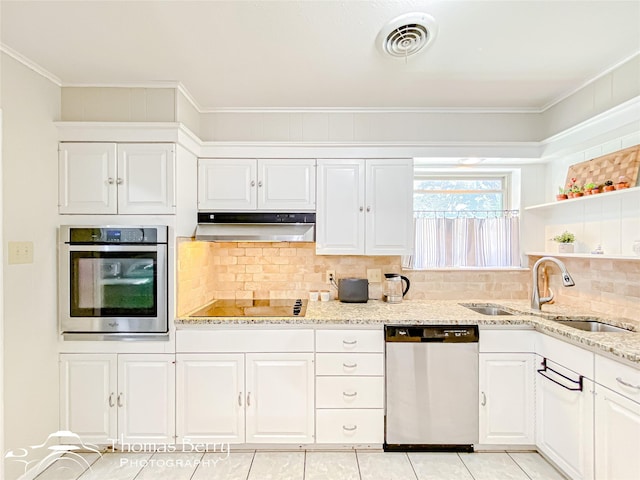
[208,270]
[610,287]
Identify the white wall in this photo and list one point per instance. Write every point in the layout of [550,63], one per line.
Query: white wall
[30,104]
[616,87]
[118,104]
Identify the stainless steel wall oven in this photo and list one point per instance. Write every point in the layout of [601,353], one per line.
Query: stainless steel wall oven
[113,280]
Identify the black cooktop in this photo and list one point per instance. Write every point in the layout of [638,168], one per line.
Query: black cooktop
[254,308]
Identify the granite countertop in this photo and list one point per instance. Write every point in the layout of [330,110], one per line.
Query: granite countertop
[625,345]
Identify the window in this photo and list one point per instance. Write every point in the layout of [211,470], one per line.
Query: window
[463,221]
[459,194]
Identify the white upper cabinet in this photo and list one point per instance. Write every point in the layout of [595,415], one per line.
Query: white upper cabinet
[109,178]
[364,207]
[227,184]
[86,177]
[340,213]
[250,184]
[287,184]
[146,178]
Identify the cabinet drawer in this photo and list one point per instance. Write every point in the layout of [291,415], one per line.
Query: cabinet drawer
[350,340]
[507,341]
[350,426]
[569,356]
[350,392]
[357,364]
[615,375]
[244,341]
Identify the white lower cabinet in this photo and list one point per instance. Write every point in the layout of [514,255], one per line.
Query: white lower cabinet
[617,434]
[210,397]
[565,419]
[115,399]
[507,399]
[617,428]
[350,386]
[245,398]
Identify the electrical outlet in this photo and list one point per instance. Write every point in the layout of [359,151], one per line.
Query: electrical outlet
[374,275]
[330,275]
[20,252]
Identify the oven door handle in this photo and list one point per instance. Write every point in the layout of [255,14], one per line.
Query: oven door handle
[115,248]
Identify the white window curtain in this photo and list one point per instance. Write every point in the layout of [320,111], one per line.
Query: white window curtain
[465,240]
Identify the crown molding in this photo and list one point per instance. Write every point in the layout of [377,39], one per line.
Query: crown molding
[626,114]
[30,64]
[203,110]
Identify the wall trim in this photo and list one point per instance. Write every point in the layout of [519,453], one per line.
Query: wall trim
[178,133]
[626,113]
[30,64]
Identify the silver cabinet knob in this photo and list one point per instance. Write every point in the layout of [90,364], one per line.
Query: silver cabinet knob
[110,181]
[260,183]
[119,181]
[253,183]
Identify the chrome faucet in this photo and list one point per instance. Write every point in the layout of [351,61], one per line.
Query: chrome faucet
[567,281]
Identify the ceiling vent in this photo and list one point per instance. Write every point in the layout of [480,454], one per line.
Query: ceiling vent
[407,34]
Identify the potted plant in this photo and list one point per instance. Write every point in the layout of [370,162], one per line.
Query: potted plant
[577,191]
[590,187]
[562,194]
[622,183]
[565,242]
[608,186]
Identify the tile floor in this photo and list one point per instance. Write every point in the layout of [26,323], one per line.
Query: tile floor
[300,465]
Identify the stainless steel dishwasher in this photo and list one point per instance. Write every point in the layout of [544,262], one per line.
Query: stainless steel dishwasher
[431,387]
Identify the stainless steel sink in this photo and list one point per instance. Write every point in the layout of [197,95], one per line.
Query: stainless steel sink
[486,309]
[592,326]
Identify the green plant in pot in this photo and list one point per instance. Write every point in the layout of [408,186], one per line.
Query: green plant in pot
[591,188]
[562,194]
[565,242]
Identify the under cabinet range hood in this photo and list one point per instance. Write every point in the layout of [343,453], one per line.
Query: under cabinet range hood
[256,227]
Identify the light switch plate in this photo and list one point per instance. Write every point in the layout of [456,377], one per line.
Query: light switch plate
[20,252]
[374,275]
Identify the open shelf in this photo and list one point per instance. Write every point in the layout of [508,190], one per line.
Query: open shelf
[630,192]
[584,255]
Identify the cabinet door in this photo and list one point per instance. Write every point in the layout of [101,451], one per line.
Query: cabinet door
[146,178]
[340,207]
[227,184]
[146,398]
[87,178]
[288,184]
[280,403]
[88,396]
[389,207]
[210,398]
[617,434]
[507,399]
[564,423]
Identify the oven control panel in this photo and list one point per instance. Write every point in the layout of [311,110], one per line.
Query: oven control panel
[114,235]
